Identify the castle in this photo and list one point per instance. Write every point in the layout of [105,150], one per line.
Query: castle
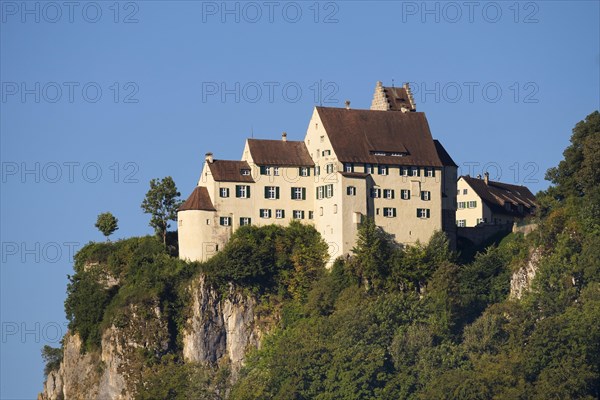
[381,163]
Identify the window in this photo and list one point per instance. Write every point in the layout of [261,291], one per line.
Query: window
[472,204]
[264,170]
[375,193]
[276,171]
[368,168]
[322,138]
[321,211]
[382,169]
[317,170]
[507,205]
[329,190]
[245,172]
[242,191]
[326,153]
[351,190]
[298,193]
[279,214]
[225,221]
[379,153]
[461,205]
[265,213]
[388,193]
[329,168]
[465,191]
[422,212]
[224,192]
[245,221]
[377,211]
[429,172]
[389,212]
[310,215]
[426,195]
[298,214]
[208,222]
[271,192]
[404,171]
[414,171]
[397,154]
[304,171]
[348,167]
[405,194]
[320,192]
[481,221]
[461,223]
[335,208]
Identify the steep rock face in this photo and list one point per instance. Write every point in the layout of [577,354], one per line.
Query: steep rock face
[115,371]
[220,326]
[521,280]
[78,375]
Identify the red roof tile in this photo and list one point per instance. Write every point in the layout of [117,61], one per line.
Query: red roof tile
[495,194]
[278,152]
[230,171]
[198,200]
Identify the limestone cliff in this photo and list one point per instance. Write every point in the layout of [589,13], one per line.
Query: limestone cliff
[520,281]
[221,328]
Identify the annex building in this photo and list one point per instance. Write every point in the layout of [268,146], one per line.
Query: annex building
[381,163]
[485,202]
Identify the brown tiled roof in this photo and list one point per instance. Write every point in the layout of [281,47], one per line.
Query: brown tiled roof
[443,155]
[230,171]
[495,194]
[357,134]
[278,152]
[198,200]
[397,98]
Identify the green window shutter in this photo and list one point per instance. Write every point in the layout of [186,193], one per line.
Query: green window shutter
[427,212]
[393,195]
[263,170]
[249,221]
[307,171]
[269,212]
[418,171]
[276,192]
[378,193]
[303,193]
[292,194]
[266,192]
[248,191]
[302,214]
[394,211]
[238,191]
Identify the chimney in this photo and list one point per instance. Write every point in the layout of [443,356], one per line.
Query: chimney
[478,176]
[347,104]
[284,136]
[486,177]
[209,158]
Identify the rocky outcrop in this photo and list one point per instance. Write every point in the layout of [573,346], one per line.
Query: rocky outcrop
[520,281]
[115,371]
[220,327]
[78,375]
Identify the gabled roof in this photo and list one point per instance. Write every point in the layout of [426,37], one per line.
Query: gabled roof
[443,155]
[398,98]
[279,152]
[230,171]
[357,134]
[198,200]
[495,194]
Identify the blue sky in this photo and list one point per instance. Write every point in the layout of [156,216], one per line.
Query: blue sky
[98,99]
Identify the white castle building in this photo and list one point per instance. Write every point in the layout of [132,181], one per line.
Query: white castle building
[381,163]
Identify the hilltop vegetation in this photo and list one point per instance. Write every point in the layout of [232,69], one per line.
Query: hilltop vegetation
[390,322]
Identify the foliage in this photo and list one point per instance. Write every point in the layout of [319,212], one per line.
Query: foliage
[52,357]
[107,224]
[162,202]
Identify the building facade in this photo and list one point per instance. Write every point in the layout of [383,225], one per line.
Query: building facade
[485,202]
[381,163]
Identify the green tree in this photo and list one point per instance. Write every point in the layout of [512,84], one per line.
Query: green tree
[579,172]
[107,224]
[52,356]
[162,202]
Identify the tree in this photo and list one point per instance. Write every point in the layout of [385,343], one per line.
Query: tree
[162,203]
[579,172]
[52,357]
[107,224]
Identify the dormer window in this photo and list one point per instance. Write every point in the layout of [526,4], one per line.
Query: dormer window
[245,172]
[379,153]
